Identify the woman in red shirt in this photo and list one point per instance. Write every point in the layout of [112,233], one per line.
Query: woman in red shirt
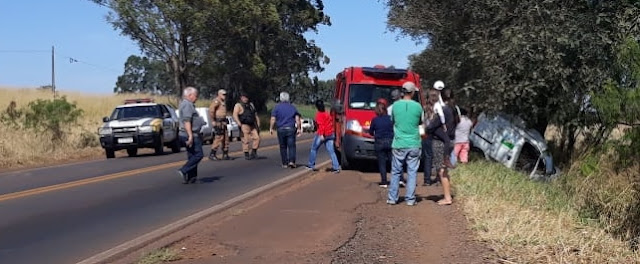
[325,135]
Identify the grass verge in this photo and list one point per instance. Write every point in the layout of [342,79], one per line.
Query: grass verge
[532,222]
[159,256]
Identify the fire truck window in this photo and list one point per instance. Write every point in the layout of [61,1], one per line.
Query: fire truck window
[364,96]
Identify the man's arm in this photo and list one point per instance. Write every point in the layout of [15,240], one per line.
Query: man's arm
[236,112]
[212,112]
[272,123]
[257,118]
[299,124]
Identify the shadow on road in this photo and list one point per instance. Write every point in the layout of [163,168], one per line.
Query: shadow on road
[210,179]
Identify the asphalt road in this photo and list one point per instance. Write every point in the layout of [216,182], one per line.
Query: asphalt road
[89,213]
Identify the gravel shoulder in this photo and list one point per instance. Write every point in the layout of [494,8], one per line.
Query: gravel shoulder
[329,218]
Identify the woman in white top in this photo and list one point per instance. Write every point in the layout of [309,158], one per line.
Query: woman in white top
[463,129]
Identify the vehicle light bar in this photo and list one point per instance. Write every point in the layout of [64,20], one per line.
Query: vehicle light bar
[137,101]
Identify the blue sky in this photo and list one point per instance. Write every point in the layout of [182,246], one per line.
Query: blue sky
[78,30]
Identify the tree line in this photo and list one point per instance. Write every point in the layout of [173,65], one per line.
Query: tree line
[549,62]
[256,46]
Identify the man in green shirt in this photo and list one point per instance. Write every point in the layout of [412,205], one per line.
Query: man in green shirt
[407,115]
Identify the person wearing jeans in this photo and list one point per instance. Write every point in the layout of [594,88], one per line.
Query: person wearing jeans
[325,135]
[194,156]
[286,118]
[382,130]
[406,115]
[190,125]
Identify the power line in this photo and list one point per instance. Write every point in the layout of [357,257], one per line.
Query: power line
[100,67]
[25,51]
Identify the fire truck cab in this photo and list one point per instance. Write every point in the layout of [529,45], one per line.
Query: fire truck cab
[356,93]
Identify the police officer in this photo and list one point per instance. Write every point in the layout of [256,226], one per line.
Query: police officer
[245,114]
[218,116]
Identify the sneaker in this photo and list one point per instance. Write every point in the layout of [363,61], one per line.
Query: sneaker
[391,202]
[335,171]
[311,168]
[292,165]
[213,157]
[193,180]
[285,166]
[383,184]
[411,203]
[402,184]
[184,177]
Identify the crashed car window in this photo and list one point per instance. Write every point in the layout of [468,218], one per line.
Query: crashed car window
[135,112]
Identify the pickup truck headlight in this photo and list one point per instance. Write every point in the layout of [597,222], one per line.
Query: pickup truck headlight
[145,129]
[354,126]
[104,131]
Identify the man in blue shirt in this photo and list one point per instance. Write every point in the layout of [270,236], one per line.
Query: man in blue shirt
[286,119]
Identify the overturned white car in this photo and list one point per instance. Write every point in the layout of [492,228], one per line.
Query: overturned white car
[506,139]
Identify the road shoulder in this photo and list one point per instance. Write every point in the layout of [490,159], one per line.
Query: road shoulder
[328,218]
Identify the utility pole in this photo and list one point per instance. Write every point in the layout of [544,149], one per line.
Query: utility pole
[53,71]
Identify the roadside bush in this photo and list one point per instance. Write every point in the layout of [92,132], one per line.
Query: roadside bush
[606,194]
[51,116]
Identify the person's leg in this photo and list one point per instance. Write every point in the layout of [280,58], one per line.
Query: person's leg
[396,171]
[217,141]
[446,187]
[427,150]
[246,135]
[329,141]
[413,161]
[197,157]
[464,152]
[448,147]
[255,136]
[291,147]
[225,145]
[282,141]
[382,153]
[315,145]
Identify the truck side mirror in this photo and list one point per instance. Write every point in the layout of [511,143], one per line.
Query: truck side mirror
[105,119]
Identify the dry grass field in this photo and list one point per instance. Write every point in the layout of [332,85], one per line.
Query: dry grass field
[23,148]
[533,222]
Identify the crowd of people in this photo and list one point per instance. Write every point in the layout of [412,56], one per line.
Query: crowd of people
[396,131]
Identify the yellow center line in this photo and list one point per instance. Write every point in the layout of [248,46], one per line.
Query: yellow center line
[67,185]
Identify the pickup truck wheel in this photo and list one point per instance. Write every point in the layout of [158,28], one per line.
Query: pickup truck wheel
[159,147]
[132,152]
[110,153]
[175,145]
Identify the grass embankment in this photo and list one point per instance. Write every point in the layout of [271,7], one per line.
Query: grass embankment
[581,218]
[20,148]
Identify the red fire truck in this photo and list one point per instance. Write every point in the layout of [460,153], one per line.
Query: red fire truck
[355,95]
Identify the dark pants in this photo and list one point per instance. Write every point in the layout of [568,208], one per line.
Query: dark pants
[287,140]
[194,155]
[427,152]
[383,151]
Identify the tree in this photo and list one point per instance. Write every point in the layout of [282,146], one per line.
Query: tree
[142,75]
[538,60]
[164,30]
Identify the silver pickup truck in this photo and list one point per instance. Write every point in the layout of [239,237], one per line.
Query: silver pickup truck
[506,139]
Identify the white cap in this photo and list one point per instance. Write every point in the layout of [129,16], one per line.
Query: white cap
[438,85]
[409,87]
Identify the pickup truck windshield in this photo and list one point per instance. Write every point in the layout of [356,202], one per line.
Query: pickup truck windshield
[135,112]
[364,96]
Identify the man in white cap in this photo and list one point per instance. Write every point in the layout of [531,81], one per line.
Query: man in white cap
[406,115]
[218,117]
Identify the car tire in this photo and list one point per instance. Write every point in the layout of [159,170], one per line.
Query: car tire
[175,144]
[345,162]
[159,146]
[110,153]
[132,152]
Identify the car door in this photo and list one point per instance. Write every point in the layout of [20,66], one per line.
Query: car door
[168,123]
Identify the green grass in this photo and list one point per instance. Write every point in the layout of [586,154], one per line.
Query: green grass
[159,256]
[528,221]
